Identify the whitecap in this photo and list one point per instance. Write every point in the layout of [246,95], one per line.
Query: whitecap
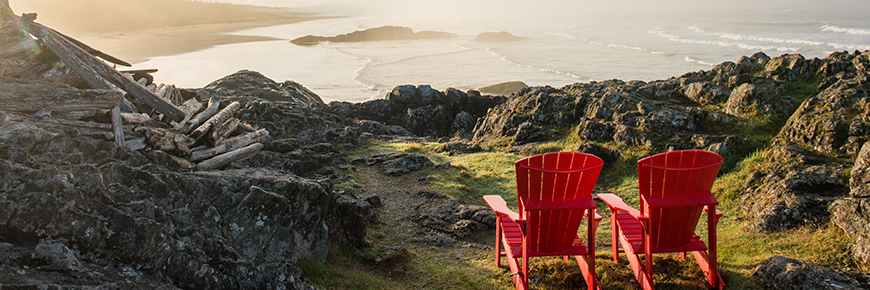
[855,31]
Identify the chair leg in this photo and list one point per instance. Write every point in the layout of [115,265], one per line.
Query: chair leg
[614,236]
[498,235]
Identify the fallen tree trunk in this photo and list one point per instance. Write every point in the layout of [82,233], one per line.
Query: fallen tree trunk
[60,100]
[215,120]
[97,73]
[226,159]
[229,145]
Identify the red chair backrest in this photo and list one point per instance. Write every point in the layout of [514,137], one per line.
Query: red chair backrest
[558,176]
[676,175]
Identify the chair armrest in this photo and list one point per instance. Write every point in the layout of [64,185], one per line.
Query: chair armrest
[616,203]
[718,213]
[499,206]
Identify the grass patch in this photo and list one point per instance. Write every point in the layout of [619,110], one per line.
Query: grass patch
[477,175]
[341,273]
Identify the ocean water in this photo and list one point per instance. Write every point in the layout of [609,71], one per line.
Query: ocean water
[566,42]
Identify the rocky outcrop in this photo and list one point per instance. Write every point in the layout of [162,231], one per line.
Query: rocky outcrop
[98,213]
[853,216]
[626,113]
[805,179]
[374,34]
[783,273]
[794,190]
[423,111]
[834,121]
[254,84]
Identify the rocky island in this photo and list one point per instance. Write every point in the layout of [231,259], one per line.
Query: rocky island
[501,36]
[374,34]
[386,193]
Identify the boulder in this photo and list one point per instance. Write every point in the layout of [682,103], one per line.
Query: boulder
[399,163]
[751,100]
[783,273]
[792,190]
[859,181]
[255,84]
[853,216]
[707,94]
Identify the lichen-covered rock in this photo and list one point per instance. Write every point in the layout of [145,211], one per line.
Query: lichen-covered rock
[794,190]
[832,121]
[399,163]
[422,110]
[706,93]
[853,216]
[757,100]
[110,215]
[859,181]
[255,84]
[783,273]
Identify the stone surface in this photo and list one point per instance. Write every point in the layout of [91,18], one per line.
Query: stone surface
[451,216]
[795,191]
[251,83]
[853,216]
[859,181]
[108,212]
[783,273]
[399,163]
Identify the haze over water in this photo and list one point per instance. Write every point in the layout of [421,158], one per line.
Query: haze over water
[568,41]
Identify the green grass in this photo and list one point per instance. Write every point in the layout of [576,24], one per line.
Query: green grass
[478,174]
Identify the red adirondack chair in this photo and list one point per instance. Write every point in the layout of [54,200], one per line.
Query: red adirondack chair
[674,191]
[554,191]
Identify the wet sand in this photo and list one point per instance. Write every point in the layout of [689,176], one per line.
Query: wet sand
[138,45]
[135,30]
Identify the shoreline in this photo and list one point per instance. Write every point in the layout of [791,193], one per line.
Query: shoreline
[140,45]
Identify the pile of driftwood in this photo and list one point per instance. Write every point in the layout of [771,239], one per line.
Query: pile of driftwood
[143,115]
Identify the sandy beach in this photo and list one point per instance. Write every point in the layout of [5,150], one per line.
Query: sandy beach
[138,45]
[137,30]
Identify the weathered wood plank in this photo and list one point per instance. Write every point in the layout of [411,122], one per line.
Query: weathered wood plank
[228,158]
[97,73]
[117,125]
[197,120]
[61,100]
[219,133]
[215,120]
[229,144]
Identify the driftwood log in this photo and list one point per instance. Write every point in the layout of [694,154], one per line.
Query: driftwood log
[57,100]
[97,73]
[197,120]
[230,144]
[228,158]
[220,132]
[215,120]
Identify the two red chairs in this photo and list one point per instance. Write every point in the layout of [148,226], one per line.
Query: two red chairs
[554,193]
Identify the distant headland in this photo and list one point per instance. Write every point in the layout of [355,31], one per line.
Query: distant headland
[501,36]
[374,34]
